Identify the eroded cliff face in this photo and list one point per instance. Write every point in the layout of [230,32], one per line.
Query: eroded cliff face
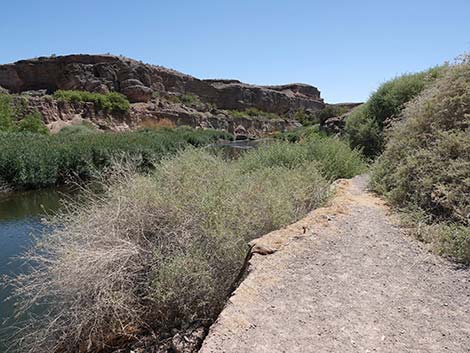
[58,114]
[150,88]
[139,82]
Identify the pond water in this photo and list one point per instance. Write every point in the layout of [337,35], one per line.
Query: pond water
[20,218]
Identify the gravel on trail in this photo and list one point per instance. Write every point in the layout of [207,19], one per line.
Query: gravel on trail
[344,279]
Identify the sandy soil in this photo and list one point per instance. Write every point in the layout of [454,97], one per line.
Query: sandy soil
[346,279]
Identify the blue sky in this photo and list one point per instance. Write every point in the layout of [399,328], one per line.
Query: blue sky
[345,48]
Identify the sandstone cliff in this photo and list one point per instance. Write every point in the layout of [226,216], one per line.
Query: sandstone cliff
[139,81]
[151,89]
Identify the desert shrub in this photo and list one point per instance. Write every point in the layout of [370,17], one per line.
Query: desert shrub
[190,99]
[112,101]
[426,162]
[82,129]
[31,161]
[363,132]
[334,158]
[186,99]
[253,113]
[32,123]
[449,240]
[301,133]
[156,252]
[14,117]
[365,126]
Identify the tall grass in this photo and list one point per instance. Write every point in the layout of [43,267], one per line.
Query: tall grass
[335,159]
[162,251]
[33,161]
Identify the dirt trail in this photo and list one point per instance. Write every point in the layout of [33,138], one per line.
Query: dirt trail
[354,282]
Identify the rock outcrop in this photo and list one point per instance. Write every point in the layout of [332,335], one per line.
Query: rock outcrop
[57,114]
[139,81]
[336,124]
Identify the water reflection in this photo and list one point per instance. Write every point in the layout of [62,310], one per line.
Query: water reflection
[20,217]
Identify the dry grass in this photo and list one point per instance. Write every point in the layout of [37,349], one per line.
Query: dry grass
[156,124]
[155,252]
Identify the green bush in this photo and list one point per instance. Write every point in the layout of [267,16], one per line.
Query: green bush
[301,133]
[83,129]
[33,123]
[190,99]
[426,162]
[363,132]
[365,125]
[10,113]
[31,160]
[7,118]
[253,113]
[112,101]
[334,157]
[186,99]
[449,240]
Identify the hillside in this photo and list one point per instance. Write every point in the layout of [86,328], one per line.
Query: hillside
[156,93]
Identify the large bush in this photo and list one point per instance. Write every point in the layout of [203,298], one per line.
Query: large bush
[162,251]
[365,125]
[426,162]
[157,252]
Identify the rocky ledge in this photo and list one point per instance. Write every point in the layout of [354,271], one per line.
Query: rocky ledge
[159,111]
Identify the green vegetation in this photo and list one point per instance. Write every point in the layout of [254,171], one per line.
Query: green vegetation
[31,122]
[7,120]
[313,118]
[425,167]
[162,251]
[253,112]
[365,125]
[31,160]
[301,133]
[334,157]
[112,101]
[186,99]
[85,128]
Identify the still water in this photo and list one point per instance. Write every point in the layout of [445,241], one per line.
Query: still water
[20,218]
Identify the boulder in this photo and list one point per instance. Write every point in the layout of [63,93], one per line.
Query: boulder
[135,90]
[335,125]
